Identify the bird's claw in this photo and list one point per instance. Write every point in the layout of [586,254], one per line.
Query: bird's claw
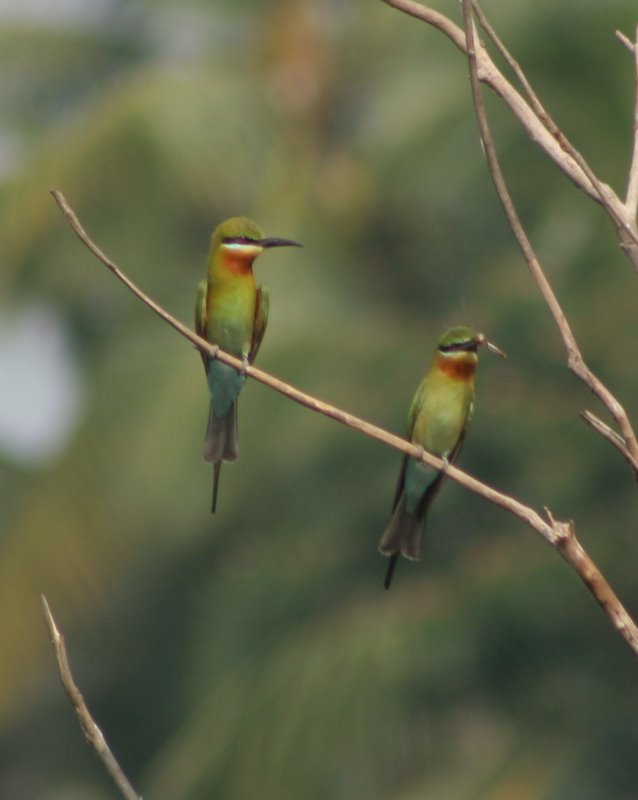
[208,355]
[420,452]
[243,370]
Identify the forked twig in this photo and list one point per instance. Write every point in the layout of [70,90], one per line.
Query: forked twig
[90,729]
[552,141]
[596,424]
[567,544]
[631,200]
[575,359]
[553,532]
[622,217]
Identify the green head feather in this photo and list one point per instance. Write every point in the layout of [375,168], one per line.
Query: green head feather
[236,228]
[463,339]
[459,338]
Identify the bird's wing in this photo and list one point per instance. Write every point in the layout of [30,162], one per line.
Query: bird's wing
[437,477]
[262,307]
[412,414]
[457,447]
[400,483]
[201,316]
[417,402]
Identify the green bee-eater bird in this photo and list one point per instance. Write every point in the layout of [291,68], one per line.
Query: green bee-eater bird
[232,312]
[438,420]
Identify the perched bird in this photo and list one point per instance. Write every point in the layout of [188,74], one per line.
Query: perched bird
[232,312]
[438,420]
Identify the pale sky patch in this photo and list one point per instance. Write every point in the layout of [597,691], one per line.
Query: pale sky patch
[41,388]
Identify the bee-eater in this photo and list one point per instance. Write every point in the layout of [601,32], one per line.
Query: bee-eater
[231,311]
[438,420]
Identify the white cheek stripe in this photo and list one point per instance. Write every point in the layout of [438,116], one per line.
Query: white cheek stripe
[455,353]
[239,248]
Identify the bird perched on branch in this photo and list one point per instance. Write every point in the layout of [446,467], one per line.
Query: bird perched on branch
[438,420]
[231,311]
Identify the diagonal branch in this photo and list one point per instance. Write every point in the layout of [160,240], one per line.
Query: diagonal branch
[91,731]
[559,534]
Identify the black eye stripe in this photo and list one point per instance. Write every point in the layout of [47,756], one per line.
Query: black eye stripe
[459,347]
[238,240]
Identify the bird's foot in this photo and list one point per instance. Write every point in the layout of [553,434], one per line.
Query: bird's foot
[243,370]
[446,464]
[420,452]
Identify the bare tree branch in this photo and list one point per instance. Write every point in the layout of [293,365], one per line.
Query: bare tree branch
[539,128]
[596,424]
[432,17]
[626,41]
[632,186]
[91,731]
[575,360]
[622,217]
[533,98]
[559,534]
[568,545]
[491,75]
[574,553]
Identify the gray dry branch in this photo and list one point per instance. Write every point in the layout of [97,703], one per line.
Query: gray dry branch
[91,731]
[559,534]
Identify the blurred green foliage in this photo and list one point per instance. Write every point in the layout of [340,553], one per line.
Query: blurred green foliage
[255,654]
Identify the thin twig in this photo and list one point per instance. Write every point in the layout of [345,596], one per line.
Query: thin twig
[596,424]
[567,543]
[553,532]
[539,108]
[631,201]
[432,17]
[604,430]
[629,448]
[91,731]
[620,215]
[575,359]
[556,146]
[493,77]
[626,41]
